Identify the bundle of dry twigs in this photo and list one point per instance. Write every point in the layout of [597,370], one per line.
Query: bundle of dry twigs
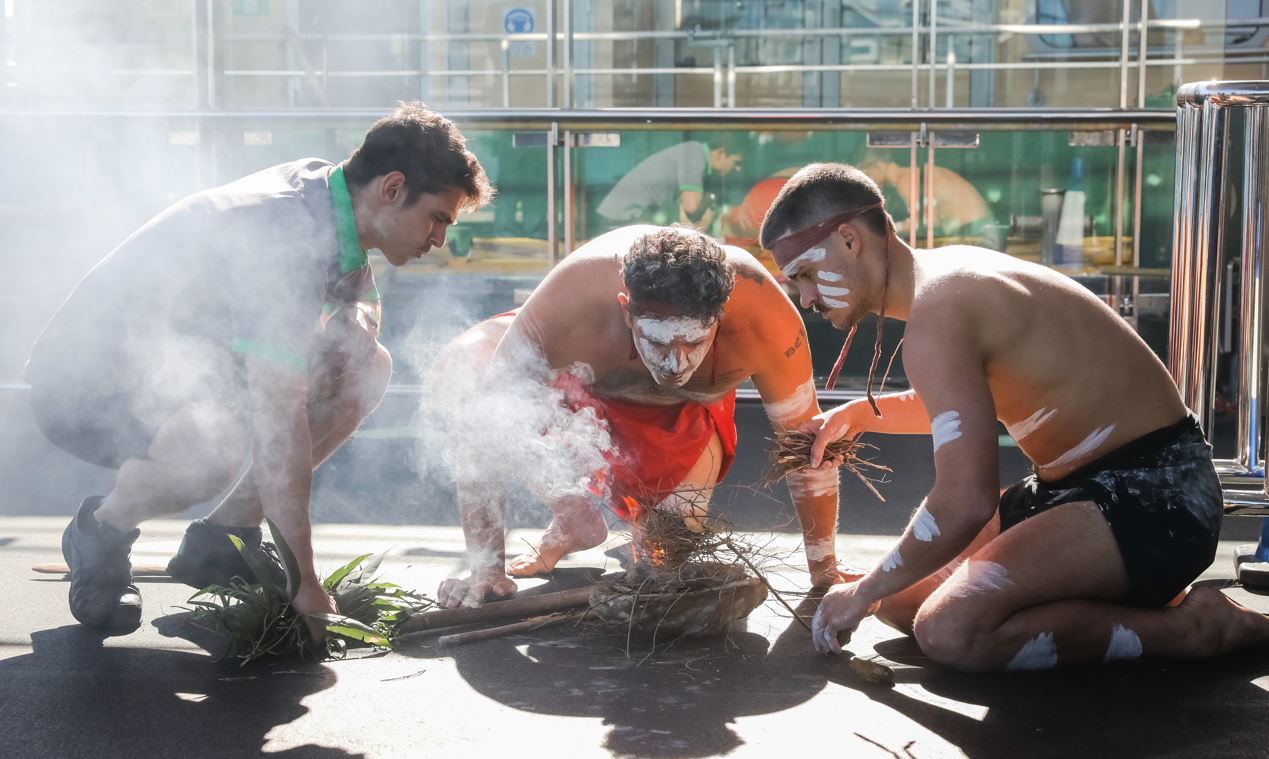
[792,453]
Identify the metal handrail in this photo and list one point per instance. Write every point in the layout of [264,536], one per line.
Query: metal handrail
[737,119]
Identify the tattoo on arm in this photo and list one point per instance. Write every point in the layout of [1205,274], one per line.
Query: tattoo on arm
[796,344]
[751,275]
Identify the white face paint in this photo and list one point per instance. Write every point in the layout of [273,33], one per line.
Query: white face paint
[1038,653]
[671,365]
[813,483]
[945,428]
[1030,424]
[924,528]
[974,577]
[892,561]
[794,405]
[826,290]
[833,302]
[812,256]
[830,276]
[819,550]
[1124,645]
[1085,447]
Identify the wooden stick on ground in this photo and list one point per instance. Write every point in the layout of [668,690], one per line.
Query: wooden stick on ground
[513,608]
[138,570]
[488,633]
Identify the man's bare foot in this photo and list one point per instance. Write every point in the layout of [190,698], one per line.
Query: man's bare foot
[1221,624]
[564,536]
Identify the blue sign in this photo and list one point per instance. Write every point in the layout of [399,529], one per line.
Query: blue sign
[518,21]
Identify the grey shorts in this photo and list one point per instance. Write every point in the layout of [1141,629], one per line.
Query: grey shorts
[106,414]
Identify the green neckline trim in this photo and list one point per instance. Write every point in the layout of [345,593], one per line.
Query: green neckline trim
[351,256]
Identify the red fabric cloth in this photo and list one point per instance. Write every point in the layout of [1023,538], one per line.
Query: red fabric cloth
[654,447]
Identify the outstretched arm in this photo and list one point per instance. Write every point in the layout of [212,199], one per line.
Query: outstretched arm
[466,366]
[283,468]
[787,389]
[948,370]
[901,414]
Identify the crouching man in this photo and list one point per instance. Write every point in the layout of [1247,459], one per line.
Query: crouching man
[238,326]
[621,372]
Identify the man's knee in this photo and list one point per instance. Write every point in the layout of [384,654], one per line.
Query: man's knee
[366,387]
[954,636]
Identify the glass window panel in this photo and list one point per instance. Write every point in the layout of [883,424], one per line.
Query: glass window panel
[1196,40]
[77,53]
[86,185]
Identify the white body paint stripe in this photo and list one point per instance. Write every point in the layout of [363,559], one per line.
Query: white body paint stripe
[813,483]
[818,550]
[1085,447]
[945,428]
[1030,424]
[1038,653]
[892,561]
[1124,645]
[981,577]
[826,290]
[811,256]
[829,276]
[833,302]
[924,528]
[794,404]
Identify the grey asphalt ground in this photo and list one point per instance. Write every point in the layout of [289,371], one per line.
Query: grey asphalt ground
[579,690]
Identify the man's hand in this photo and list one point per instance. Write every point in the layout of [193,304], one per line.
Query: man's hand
[475,590]
[848,420]
[841,610]
[312,598]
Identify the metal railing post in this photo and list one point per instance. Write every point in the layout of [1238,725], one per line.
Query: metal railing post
[1250,347]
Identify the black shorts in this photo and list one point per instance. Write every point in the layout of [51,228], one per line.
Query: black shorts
[1163,501]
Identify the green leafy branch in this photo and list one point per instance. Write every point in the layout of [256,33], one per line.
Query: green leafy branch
[258,619]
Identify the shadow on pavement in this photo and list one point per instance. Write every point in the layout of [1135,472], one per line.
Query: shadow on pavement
[1150,708]
[672,699]
[72,696]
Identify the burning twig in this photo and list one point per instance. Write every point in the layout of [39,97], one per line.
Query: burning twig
[792,453]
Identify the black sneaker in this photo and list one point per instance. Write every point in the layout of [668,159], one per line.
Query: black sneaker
[101,593]
[207,556]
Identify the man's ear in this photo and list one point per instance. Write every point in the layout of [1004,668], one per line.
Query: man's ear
[392,188]
[850,238]
[623,301]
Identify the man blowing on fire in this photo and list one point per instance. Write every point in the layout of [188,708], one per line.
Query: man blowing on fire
[236,333]
[644,332]
[1077,562]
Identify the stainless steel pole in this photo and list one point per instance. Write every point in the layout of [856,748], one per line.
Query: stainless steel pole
[1250,334]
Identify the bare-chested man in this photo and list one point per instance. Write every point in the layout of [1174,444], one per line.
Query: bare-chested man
[651,329]
[1078,562]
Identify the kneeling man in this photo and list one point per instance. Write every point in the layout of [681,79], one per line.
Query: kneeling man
[1079,562]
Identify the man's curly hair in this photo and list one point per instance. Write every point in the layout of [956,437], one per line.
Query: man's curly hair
[679,269]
